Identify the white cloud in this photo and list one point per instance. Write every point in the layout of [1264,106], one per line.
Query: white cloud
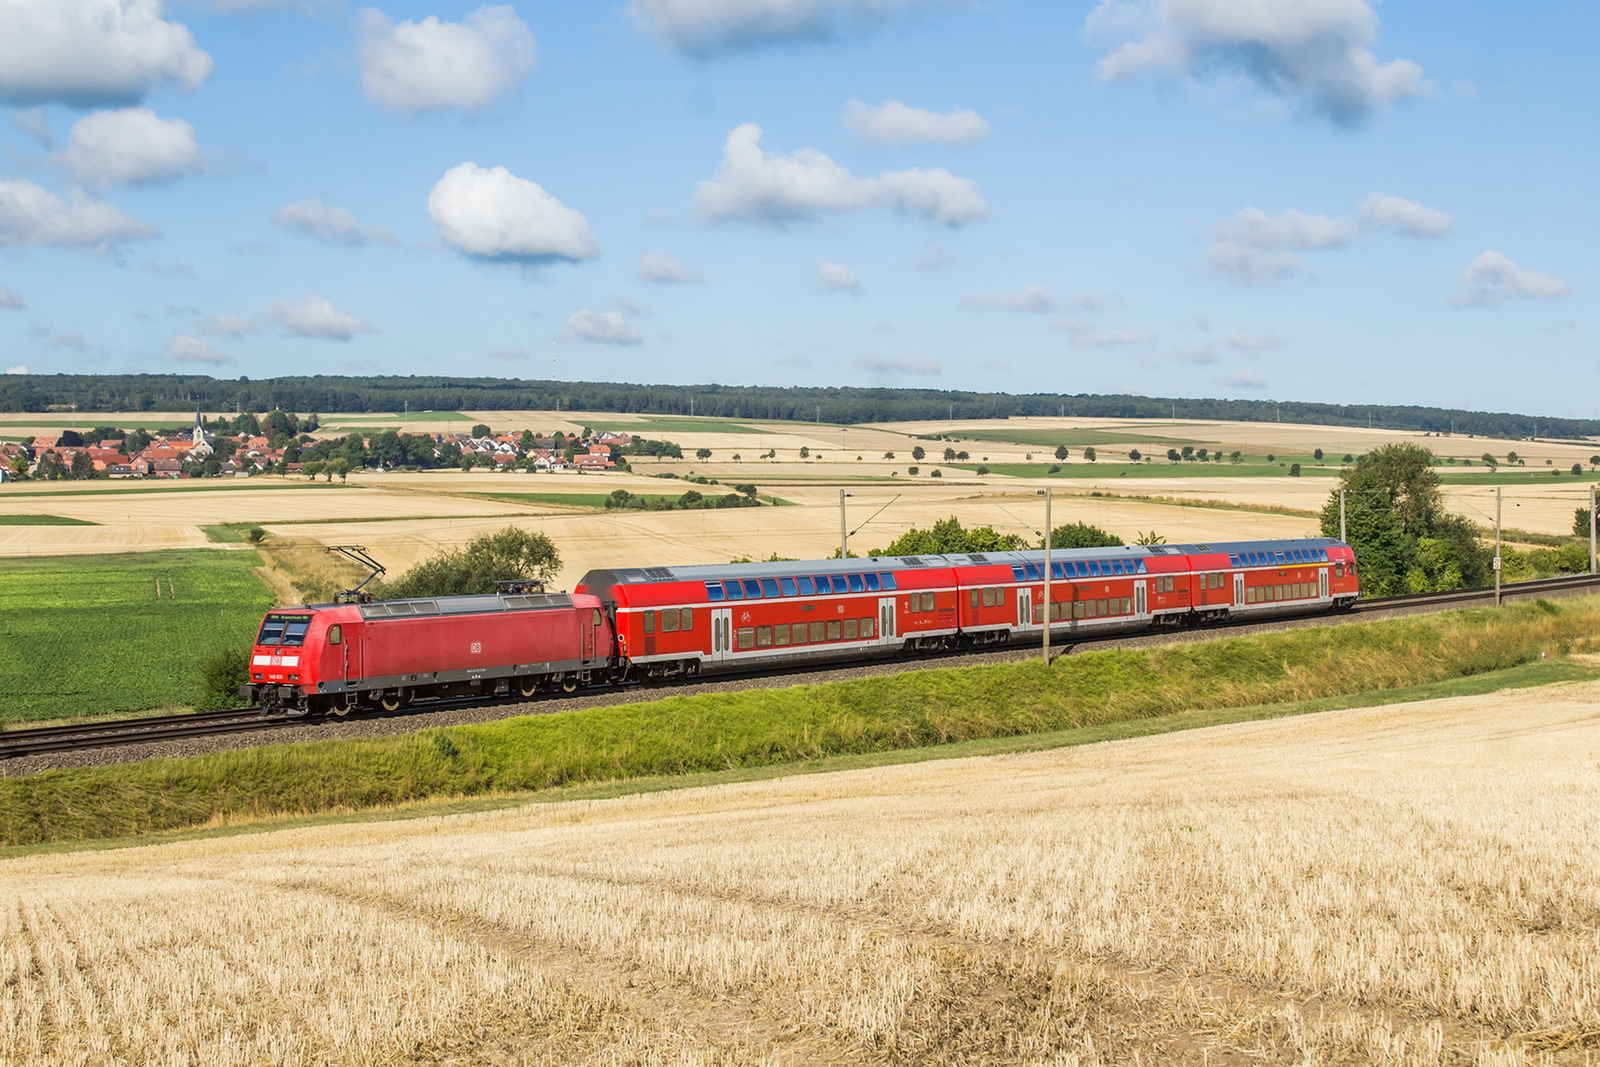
[632,307]
[493,214]
[706,27]
[923,368]
[433,65]
[227,326]
[316,318]
[934,256]
[894,123]
[1407,216]
[1032,298]
[1245,380]
[509,354]
[835,277]
[86,53]
[70,339]
[186,348]
[330,223]
[1254,342]
[1254,247]
[1196,355]
[30,215]
[1087,301]
[603,327]
[10,300]
[777,189]
[1318,52]
[656,267]
[1491,277]
[31,121]
[1113,339]
[129,147]
[18,369]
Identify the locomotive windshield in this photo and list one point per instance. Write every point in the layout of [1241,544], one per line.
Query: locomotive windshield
[284,630]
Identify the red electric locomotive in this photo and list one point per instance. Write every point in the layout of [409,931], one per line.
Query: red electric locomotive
[337,657]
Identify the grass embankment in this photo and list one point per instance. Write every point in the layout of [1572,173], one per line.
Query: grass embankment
[43,520]
[104,635]
[765,727]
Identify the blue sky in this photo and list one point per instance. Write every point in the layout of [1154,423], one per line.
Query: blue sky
[1320,199]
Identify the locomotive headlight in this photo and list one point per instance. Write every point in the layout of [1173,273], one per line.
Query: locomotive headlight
[257,676]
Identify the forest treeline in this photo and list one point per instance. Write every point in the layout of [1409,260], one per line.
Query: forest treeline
[173,392]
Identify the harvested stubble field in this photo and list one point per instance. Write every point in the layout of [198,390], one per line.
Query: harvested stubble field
[1404,885]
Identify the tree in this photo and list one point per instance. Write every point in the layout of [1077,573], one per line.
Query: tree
[702,453]
[247,424]
[82,466]
[1203,454]
[1173,456]
[1404,538]
[1594,461]
[1133,454]
[960,455]
[1236,456]
[70,439]
[1061,451]
[888,455]
[982,469]
[919,453]
[525,443]
[949,537]
[937,474]
[1317,455]
[1082,535]
[1271,458]
[1348,458]
[511,554]
[1489,461]
[1294,470]
[1089,454]
[1188,453]
[1577,469]
[481,430]
[913,470]
[949,454]
[747,489]
[1511,458]
[1580,522]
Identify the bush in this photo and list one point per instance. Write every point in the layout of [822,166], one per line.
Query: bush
[221,675]
[510,554]
[256,535]
[1082,535]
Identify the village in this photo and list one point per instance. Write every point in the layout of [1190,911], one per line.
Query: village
[280,443]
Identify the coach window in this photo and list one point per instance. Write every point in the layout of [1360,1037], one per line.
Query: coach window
[852,629]
[780,634]
[807,586]
[688,618]
[888,581]
[988,597]
[788,587]
[747,637]
[871,578]
[841,584]
[1000,596]
[752,589]
[335,634]
[972,599]
[735,590]
[1338,570]
[714,591]
[799,633]
[833,629]
[868,627]
[669,620]
[928,602]
[769,587]
[856,585]
[763,637]
[816,632]
[1127,605]
[649,622]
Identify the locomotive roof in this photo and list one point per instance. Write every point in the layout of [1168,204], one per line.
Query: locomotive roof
[598,579]
[465,605]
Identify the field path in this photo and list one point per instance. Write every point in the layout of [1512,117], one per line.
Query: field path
[1409,885]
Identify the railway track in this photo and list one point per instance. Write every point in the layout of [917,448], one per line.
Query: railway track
[118,732]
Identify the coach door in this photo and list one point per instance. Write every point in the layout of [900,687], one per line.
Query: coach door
[886,626]
[1322,582]
[1024,609]
[1138,597]
[721,633]
[1238,588]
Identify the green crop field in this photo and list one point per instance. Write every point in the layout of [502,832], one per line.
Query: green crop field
[88,636]
[43,520]
[1072,438]
[1159,469]
[392,416]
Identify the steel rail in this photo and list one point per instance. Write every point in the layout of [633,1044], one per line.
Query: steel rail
[118,732]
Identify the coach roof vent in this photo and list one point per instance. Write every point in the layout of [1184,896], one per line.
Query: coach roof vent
[977,557]
[657,574]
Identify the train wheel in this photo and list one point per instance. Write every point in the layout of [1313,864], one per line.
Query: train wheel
[527,685]
[341,706]
[569,684]
[391,699]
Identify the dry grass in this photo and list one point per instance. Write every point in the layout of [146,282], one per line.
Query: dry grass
[1403,885]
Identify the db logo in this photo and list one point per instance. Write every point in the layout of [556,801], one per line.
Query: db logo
[477,647]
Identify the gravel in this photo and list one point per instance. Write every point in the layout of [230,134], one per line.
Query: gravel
[382,725]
